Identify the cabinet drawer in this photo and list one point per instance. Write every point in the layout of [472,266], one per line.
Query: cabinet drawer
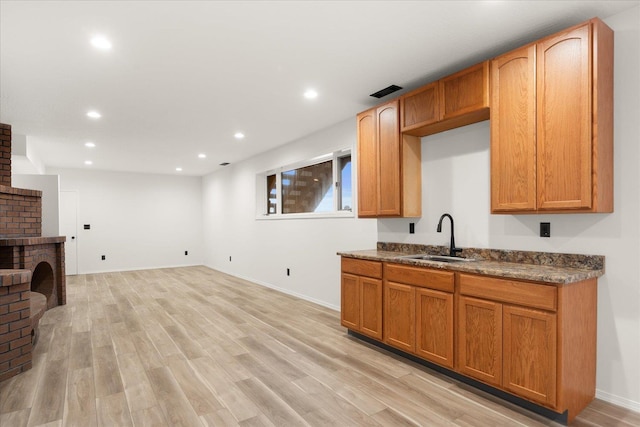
[423,277]
[362,267]
[510,291]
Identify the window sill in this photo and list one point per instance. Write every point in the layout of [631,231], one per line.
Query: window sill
[345,214]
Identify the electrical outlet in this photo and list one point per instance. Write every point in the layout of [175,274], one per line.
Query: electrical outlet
[288,272]
[412,227]
[229,258]
[545,229]
[104,257]
[186,252]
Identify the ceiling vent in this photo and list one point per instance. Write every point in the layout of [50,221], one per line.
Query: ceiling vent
[386,91]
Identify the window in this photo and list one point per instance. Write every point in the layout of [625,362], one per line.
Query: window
[272,201]
[318,187]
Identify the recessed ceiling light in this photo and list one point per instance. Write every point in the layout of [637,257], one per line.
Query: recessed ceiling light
[101,42]
[89,144]
[88,162]
[94,114]
[311,94]
[202,156]
[178,169]
[238,135]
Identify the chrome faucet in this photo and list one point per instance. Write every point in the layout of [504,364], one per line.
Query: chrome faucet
[452,248]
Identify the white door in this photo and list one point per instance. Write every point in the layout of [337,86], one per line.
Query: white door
[69,228]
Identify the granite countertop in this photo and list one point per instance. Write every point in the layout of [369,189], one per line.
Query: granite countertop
[554,268]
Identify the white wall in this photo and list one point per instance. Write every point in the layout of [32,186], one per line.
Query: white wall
[456,180]
[138,221]
[262,250]
[24,159]
[49,185]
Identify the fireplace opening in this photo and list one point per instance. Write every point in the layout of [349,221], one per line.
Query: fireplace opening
[42,282]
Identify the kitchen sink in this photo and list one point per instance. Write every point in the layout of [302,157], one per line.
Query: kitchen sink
[439,258]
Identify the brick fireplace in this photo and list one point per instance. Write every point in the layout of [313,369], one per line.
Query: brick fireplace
[32,275]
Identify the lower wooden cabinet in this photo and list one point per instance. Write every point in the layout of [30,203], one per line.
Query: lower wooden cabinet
[418,312]
[534,340]
[400,316]
[434,326]
[506,345]
[480,339]
[529,353]
[361,297]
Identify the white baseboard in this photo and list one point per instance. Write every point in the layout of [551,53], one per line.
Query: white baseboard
[617,400]
[118,270]
[279,289]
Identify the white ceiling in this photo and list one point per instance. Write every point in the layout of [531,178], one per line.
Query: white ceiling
[184,76]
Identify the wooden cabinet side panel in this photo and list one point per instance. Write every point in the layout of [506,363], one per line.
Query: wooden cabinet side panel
[389,157]
[371,307]
[602,116]
[411,176]
[480,340]
[465,91]
[367,158]
[399,316]
[350,302]
[513,131]
[434,326]
[564,146]
[577,340]
[529,354]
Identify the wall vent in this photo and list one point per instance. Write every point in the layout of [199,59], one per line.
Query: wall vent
[386,91]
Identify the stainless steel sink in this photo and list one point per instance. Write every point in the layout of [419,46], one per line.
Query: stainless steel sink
[439,258]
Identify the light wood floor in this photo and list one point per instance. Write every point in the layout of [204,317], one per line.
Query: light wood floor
[194,347]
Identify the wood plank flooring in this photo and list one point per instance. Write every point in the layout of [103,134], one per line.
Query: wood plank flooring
[195,347]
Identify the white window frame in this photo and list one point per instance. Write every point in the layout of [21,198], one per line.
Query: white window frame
[261,189]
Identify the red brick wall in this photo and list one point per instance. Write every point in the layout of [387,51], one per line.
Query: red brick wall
[15,325]
[20,212]
[5,154]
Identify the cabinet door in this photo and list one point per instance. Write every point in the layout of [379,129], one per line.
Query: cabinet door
[434,326]
[389,160]
[564,149]
[367,164]
[513,131]
[399,316]
[480,340]
[465,92]
[371,307]
[350,302]
[529,357]
[421,107]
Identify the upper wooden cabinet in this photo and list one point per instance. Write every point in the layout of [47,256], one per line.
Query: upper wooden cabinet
[389,168]
[552,124]
[456,100]
[420,107]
